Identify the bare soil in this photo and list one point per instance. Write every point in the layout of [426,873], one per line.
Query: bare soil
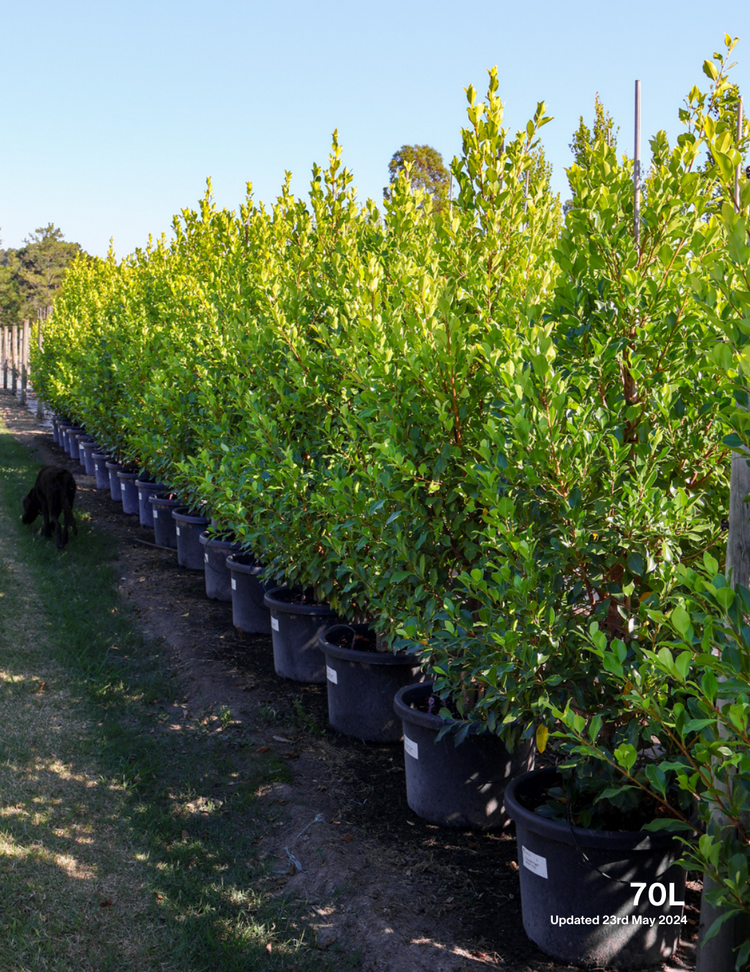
[376,878]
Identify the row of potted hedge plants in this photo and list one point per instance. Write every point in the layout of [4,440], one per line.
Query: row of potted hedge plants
[488,438]
[371,692]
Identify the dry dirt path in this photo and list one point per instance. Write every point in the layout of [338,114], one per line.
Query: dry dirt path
[375,879]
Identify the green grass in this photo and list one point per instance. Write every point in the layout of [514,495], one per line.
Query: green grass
[127,840]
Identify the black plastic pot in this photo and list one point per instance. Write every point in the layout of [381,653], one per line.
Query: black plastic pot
[113,467]
[145,489]
[70,443]
[87,448]
[362,683]
[296,631]
[455,786]
[80,438]
[189,527]
[249,611]
[594,875]
[55,430]
[63,428]
[165,528]
[217,576]
[128,491]
[100,469]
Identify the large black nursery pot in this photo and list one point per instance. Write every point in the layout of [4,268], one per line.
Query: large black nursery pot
[165,527]
[595,897]
[147,488]
[113,467]
[87,449]
[69,440]
[455,786]
[101,473]
[188,527]
[63,427]
[128,490]
[55,429]
[296,627]
[80,438]
[362,683]
[249,611]
[217,576]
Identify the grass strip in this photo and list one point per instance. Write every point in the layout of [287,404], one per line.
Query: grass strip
[128,840]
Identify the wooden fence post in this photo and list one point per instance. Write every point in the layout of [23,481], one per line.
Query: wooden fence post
[41,314]
[25,328]
[14,358]
[4,355]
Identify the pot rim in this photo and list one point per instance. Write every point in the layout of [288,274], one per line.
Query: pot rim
[283,607]
[215,544]
[178,514]
[391,658]
[239,568]
[164,500]
[625,840]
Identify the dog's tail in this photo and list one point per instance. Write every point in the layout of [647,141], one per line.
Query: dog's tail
[68,495]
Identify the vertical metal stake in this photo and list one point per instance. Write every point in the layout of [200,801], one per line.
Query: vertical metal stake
[637,169]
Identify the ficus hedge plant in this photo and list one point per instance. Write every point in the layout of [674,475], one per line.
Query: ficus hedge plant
[603,460]
[688,689]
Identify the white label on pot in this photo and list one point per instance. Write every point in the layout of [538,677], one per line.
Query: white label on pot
[122,486]
[332,675]
[140,496]
[156,514]
[234,584]
[205,556]
[411,747]
[275,624]
[534,862]
[178,531]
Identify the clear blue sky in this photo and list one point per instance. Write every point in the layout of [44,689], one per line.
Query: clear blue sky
[113,114]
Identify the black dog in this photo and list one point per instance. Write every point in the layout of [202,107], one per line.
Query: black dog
[53,494]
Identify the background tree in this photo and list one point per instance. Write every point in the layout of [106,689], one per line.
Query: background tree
[10,299]
[427,171]
[584,138]
[29,276]
[41,266]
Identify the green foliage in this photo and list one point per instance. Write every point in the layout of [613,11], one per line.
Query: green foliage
[585,139]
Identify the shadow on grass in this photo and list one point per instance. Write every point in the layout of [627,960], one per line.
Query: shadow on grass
[185,801]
